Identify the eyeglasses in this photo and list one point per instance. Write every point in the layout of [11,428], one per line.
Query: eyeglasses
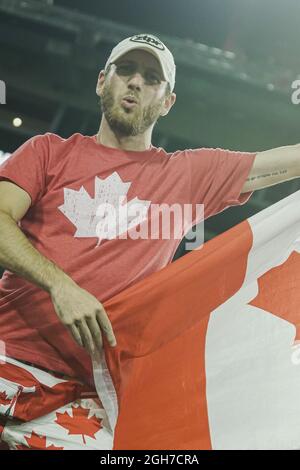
[126,69]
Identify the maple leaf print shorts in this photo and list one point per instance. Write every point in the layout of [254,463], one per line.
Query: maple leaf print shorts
[39,411]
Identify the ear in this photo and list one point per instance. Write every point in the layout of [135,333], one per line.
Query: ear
[169,102]
[100,82]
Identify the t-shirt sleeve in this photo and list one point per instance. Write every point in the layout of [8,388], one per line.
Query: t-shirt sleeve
[27,167]
[217,177]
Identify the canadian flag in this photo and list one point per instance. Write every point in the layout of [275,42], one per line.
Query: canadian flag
[207,354]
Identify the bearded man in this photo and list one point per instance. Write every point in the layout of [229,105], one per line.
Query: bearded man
[63,257]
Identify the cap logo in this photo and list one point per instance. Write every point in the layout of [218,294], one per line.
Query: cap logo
[150,40]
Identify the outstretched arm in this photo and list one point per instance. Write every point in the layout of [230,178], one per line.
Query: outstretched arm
[274,166]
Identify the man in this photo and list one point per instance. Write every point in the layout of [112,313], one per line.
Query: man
[52,192]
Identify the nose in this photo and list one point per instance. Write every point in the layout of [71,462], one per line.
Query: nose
[135,81]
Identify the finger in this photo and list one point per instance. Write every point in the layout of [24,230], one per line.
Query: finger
[86,336]
[95,332]
[106,327]
[75,333]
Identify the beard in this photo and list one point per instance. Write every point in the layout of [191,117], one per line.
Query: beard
[128,122]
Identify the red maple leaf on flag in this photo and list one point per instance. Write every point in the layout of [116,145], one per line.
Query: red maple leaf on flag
[3,399]
[79,423]
[278,284]
[36,442]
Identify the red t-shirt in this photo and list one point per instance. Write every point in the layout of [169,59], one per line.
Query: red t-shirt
[65,178]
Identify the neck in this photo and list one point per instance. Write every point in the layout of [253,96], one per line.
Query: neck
[106,136]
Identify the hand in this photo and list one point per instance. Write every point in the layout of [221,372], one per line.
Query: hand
[83,315]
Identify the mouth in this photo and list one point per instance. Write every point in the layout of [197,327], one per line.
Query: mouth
[129,101]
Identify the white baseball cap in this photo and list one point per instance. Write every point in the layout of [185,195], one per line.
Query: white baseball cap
[152,44]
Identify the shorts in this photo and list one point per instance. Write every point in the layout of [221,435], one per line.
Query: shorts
[41,411]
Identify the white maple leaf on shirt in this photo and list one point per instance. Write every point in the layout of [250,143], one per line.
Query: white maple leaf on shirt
[108,214]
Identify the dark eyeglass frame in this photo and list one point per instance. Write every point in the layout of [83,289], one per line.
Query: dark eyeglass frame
[157,80]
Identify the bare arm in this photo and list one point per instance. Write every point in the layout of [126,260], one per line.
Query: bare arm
[16,252]
[80,311]
[274,166]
